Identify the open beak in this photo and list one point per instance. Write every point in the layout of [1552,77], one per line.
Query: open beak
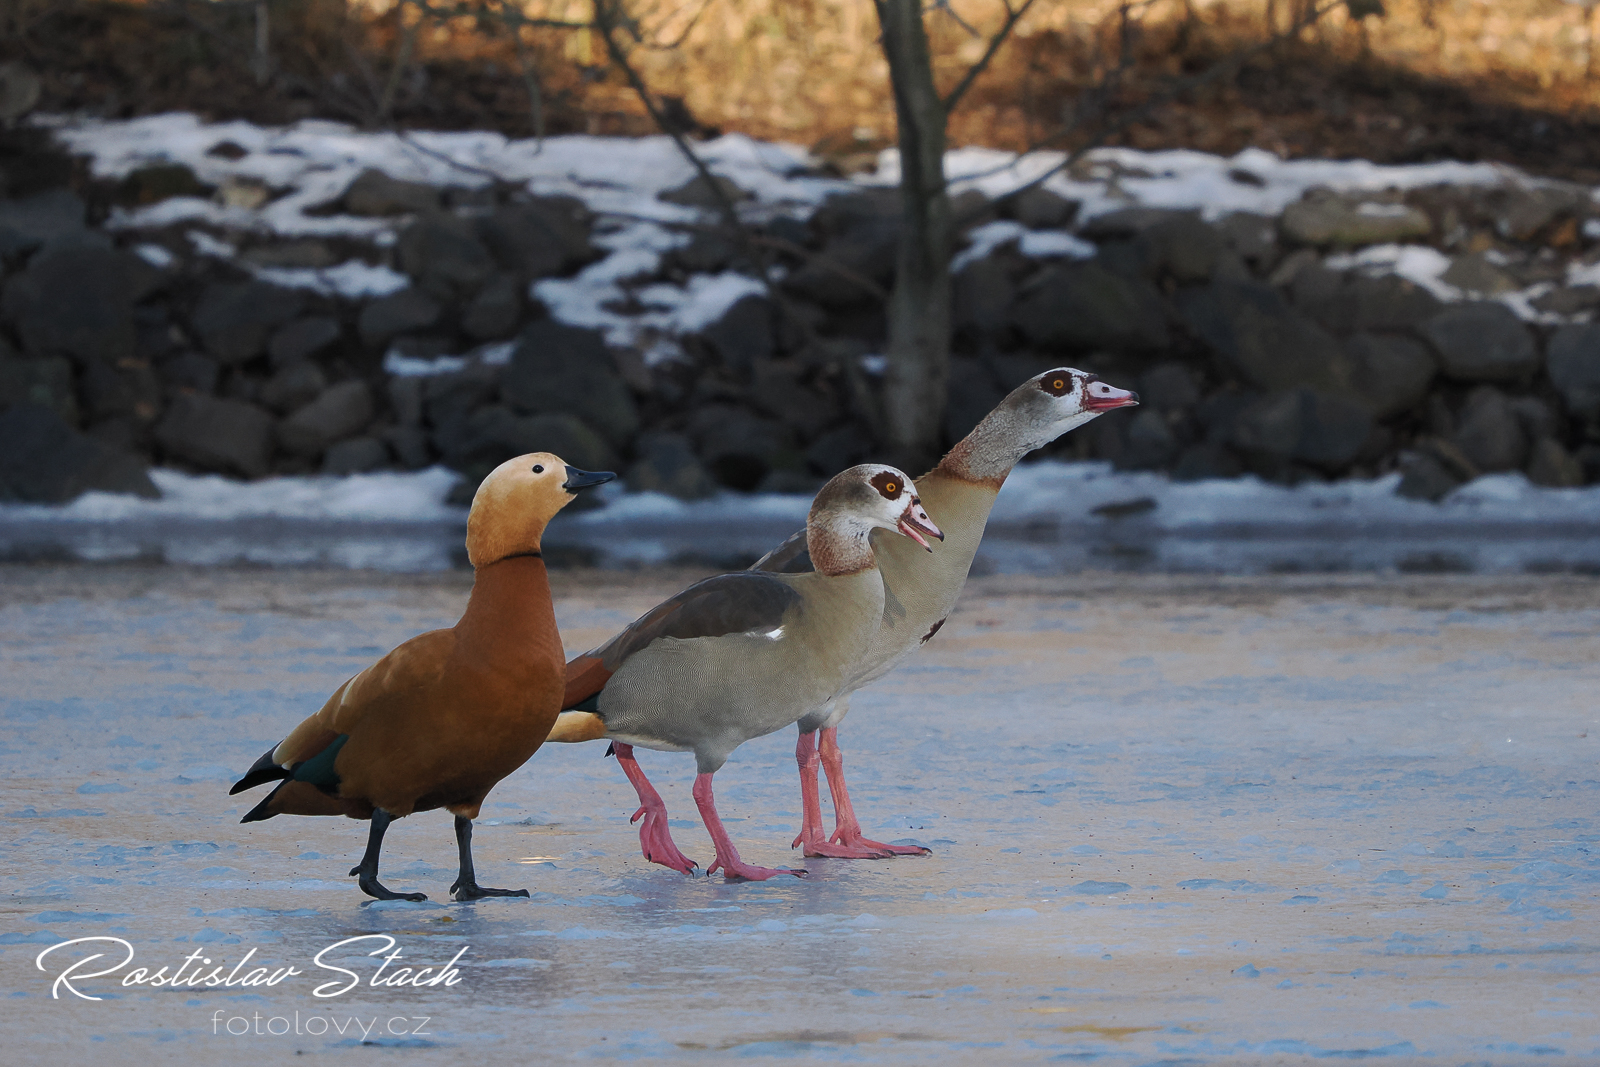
[577,479]
[1100,396]
[914,522]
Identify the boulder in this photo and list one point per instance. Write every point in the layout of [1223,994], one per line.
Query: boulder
[127,389]
[1521,212]
[1552,465]
[707,252]
[983,293]
[560,368]
[745,334]
[1350,222]
[494,312]
[293,386]
[539,238]
[1128,222]
[1183,248]
[738,446]
[667,464]
[973,393]
[1257,337]
[1346,303]
[189,372]
[45,382]
[409,445]
[308,254]
[1083,306]
[45,461]
[1303,425]
[1040,209]
[1489,433]
[217,435]
[1169,387]
[30,222]
[340,411]
[1391,372]
[1569,300]
[860,233]
[399,312]
[778,389]
[444,257]
[448,402]
[155,182]
[374,194]
[234,319]
[1481,342]
[696,192]
[1148,443]
[565,435]
[839,449]
[1205,461]
[76,299]
[1253,238]
[1573,362]
[1474,273]
[1424,476]
[355,456]
[302,339]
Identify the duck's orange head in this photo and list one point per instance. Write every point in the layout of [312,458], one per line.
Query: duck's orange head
[513,505]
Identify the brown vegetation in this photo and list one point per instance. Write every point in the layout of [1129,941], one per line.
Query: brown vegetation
[1512,80]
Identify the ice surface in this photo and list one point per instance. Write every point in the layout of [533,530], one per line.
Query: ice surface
[1171,821]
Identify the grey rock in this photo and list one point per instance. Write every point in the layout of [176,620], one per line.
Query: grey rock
[667,464]
[1254,238]
[156,182]
[1573,361]
[400,312]
[43,460]
[355,456]
[1323,219]
[293,386]
[76,299]
[234,319]
[1149,442]
[1128,222]
[494,312]
[30,222]
[405,399]
[744,335]
[1083,306]
[189,372]
[1489,433]
[539,238]
[448,403]
[302,339]
[778,389]
[1391,372]
[839,449]
[1423,476]
[44,382]
[128,389]
[708,251]
[564,435]
[1183,248]
[1040,209]
[559,368]
[834,277]
[1169,387]
[1473,273]
[1572,300]
[1481,342]
[409,445]
[444,257]
[1520,213]
[217,435]
[307,254]
[1258,337]
[1552,465]
[983,293]
[1348,303]
[20,89]
[1325,430]
[973,393]
[1204,461]
[374,194]
[738,446]
[341,411]
[697,193]
[1536,418]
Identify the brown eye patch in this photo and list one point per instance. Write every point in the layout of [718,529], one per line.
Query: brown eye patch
[1056,383]
[890,485]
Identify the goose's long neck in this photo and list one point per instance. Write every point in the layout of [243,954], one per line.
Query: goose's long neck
[840,547]
[986,455]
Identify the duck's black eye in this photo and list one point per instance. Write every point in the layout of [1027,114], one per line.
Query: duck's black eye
[538,468]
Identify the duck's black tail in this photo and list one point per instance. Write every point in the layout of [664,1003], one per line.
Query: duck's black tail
[262,771]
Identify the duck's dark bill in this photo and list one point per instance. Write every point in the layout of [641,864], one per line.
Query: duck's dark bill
[577,479]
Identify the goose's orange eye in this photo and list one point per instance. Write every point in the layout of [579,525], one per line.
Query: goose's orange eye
[1059,384]
[890,488]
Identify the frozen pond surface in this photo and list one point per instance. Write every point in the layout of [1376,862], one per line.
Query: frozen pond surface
[1173,820]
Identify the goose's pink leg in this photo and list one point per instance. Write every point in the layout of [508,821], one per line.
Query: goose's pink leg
[847,829]
[727,855]
[811,831]
[655,840]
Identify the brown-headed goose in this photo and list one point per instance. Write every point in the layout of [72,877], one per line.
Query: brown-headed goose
[920,589]
[741,655]
[446,715]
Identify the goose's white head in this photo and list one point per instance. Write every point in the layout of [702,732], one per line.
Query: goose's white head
[871,496]
[1035,413]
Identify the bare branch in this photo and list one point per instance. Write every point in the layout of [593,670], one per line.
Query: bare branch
[1012,16]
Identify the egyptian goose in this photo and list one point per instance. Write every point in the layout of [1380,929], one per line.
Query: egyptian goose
[921,590]
[442,718]
[741,655]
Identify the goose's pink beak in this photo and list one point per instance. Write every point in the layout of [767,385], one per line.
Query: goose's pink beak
[1102,396]
[914,522]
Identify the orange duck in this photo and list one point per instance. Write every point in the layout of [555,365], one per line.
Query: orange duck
[441,719]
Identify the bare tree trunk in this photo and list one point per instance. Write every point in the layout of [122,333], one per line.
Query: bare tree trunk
[919,306]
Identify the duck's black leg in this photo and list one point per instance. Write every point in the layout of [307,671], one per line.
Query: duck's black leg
[466,885]
[367,869]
